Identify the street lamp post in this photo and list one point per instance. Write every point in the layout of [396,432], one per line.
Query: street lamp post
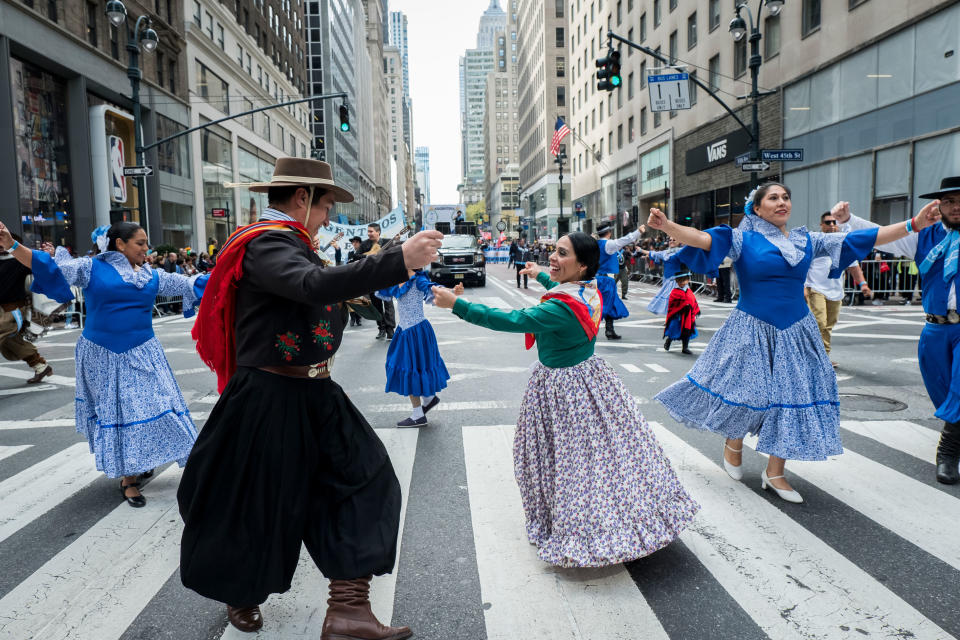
[739,29]
[559,161]
[144,36]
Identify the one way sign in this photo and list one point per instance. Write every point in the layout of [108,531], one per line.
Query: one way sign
[144,170]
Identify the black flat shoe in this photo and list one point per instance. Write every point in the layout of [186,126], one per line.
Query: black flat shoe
[947,472]
[147,474]
[410,422]
[433,403]
[135,501]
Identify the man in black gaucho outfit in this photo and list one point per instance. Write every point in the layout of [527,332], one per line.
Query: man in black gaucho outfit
[285,458]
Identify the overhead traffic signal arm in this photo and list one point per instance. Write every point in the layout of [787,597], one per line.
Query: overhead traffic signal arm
[608,71]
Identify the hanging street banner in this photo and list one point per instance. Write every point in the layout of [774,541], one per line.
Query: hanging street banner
[390,225]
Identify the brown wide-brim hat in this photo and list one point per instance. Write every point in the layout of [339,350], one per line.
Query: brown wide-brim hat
[298,172]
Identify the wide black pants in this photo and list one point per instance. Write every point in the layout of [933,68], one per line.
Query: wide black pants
[283,462]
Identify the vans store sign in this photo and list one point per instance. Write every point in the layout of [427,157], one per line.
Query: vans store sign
[717,152]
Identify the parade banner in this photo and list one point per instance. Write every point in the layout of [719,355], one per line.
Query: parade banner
[390,225]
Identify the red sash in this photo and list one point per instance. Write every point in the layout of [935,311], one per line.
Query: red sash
[583,299]
[214,329]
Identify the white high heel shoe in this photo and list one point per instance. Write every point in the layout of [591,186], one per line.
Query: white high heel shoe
[789,496]
[734,471]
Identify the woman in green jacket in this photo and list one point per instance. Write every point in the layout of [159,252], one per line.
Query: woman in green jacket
[596,487]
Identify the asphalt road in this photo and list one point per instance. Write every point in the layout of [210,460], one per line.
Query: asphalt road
[871,553]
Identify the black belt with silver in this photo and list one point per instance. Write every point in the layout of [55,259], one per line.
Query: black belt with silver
[952,317]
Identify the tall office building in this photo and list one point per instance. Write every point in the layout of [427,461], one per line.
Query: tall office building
[422,160]
[475,64]
[403,187]
[542,83]
[398,38]
[338,61]
[377,39]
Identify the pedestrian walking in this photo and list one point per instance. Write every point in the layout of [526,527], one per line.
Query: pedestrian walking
[724,294]
[935,249]
[624,261]
[596,487]
[613,307]
[387,323]
[682,312]
[14,303]
[285,459]
[765,371]
[414,366]
[824,295]
[521,256]
[128,404]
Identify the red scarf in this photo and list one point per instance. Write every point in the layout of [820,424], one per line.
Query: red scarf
[214,329]
[583,299]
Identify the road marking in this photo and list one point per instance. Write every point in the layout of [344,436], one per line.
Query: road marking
[656,368]
[299,612]
[632,368]
[790,582]
[9,425]
[443,406]
[31,388]
[525,300]
[183,372]
[6,452]
[915,511]
[842,378]
[908,437]
[569,603]
[494,301]
[37,489]
[456,365]
[102,580]
[880,336]
[19,363]
[54,379]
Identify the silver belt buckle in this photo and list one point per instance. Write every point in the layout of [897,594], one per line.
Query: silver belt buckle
[314,370]
[952,316]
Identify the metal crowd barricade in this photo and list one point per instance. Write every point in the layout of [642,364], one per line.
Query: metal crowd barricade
[170,302]
[888,279]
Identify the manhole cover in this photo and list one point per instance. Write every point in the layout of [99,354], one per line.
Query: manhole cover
[866,402]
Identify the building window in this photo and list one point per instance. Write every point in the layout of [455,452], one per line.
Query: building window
[213,88]
[656,13]
[559,8]
[560,39]
[855,3]
[619,12]
[52,10]
[114,43]
[714,14]
[196,14]
[220,37]
[693,88]
[92,14]
[619,137]
[561,96]
[643,74]
[739,57]
[673,47]
[160,68]
[673,5]
[643,27]
[630,129]
[630,86]
[610,142]
[240,56]
[561,67]
[771,37]
[630,37]
[656,119]
[811,16]
[692,31]
[172,157]
[209,25]
[172,75]
[714,69]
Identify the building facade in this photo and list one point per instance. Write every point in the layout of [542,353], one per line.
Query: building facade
[542,57]
[377,39]
[834,83]
[66,123]
[241,58]
[422,160]
[398,38]
[405,178]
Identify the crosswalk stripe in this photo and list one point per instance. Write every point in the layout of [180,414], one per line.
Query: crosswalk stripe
[443,406]
[789,581]
[97,585]
[903,435]
[494,301]
[632,368]
[656,368]
[6,452]
[569,603]
[7,425]
[55,379]
[917,512]
[299,612]
[25,389]
[37,489]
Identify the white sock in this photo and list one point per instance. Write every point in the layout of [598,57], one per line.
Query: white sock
[425,400]
[417,413]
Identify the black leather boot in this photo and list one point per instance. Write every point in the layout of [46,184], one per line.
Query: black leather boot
[610,333]
[948,454]
[666,344]
[686,347]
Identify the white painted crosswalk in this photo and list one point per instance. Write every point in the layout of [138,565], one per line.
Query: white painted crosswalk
[779,569]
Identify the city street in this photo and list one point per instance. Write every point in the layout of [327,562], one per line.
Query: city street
[872,553]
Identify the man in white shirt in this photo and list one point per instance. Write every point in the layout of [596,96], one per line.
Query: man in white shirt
[825,294]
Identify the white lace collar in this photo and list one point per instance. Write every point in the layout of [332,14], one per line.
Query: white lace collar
[792,247]
[137,277]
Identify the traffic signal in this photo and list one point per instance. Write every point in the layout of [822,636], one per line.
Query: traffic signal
[344,118]
[608,71]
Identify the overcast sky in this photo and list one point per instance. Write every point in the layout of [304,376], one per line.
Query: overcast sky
[438,32]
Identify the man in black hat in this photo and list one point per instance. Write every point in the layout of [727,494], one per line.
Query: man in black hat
[613,307]
[935,249]
[285,459]
[13,303]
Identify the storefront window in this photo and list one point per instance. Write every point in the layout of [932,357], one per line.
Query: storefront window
[254,166]
[43,169]
[217,169]
[174,156]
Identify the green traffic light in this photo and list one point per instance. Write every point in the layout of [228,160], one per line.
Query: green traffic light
[615,81]
[344,126]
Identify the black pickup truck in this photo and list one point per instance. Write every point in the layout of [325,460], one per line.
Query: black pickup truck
[460,260]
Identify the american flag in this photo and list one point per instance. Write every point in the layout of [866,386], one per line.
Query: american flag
[560,132]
